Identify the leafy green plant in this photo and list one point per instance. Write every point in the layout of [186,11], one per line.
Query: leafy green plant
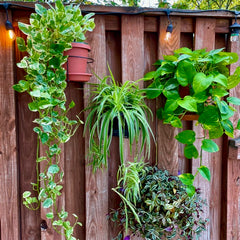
[163,207]
[49,34]
[125,103]
[205,77]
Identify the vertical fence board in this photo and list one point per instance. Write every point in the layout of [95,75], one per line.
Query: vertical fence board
[205,38]
[27,141]
[233,207]
[167,146]
[132,57]
[150,57]
[113,40]
[96,183]
[74,151]
[9,204]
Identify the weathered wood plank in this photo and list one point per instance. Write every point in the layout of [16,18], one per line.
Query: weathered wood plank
[132,47]
[74,152]
[9,197]
[233,194]
[113,41]
[233,166]
[167,146]
[132,57]
[96,183]
[27,141]
[205,38]
[150,57]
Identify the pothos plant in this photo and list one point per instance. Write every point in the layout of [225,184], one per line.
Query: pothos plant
[49,34]
[205,78]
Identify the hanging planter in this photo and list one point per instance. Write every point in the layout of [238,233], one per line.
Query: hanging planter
[76,65]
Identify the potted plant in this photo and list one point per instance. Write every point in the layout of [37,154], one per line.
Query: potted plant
[124,104]
[204,77]
[155,205]
[49,35]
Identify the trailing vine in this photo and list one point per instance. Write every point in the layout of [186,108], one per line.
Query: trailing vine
[50,33]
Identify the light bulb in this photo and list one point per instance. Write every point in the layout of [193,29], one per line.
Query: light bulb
[234,37]
[168,36]
[11,34]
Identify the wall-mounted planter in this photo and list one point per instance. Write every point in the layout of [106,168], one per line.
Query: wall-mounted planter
[76,65]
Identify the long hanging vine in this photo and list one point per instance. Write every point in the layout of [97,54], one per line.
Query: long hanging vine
[50,33]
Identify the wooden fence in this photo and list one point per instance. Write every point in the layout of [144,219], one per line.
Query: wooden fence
[130,42]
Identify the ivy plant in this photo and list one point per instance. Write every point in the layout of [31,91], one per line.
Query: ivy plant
[196,82]
[49,34]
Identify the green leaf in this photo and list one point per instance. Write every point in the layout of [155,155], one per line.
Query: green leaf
[26,194]
[201,82]
[190,151]
[190,189]
[205,172]
[39,9]
[21,86]
[238,125]
[186,137]
[234,100]
[221,79]
[154,90]
[189,103]
[47,203]
[218,92]
[183,50]
[215,132]
[185,73]
[186,178]
[24,28]
[149,75]
[72,104]
[35,93]
[209,116]
[49,215]
[171,105]
[21,44]
[227,126]
[209,145]
[53,169]
[44,137]
[234,79]
[176,122]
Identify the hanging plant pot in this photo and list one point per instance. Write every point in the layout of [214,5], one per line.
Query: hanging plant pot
[76,65]
[116,129]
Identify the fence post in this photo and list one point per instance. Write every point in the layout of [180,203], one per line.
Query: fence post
[233,190]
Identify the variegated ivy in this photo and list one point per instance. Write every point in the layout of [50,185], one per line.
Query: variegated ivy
[206,77]
[49,34]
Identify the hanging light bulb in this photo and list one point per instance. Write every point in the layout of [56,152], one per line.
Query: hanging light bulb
[169,27]
[169,32]
[10,29]
[235,29]
[8,24]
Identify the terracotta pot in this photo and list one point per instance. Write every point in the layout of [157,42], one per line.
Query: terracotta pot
[76,65]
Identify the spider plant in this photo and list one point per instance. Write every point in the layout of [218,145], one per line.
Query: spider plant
[110,101]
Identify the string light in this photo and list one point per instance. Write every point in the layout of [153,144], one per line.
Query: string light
[169,27]
[8,24]
[235,29]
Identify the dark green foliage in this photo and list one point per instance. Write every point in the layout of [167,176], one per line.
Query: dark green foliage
[163,207]
[196,82]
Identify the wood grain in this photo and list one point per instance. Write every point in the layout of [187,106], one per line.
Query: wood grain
[27,141]
[150,57]
[205,38]
[96,183]
[74,152]
[113,41]
[9,202]
[167,145]
[132,59]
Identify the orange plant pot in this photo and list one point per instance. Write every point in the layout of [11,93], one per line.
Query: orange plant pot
[76,65]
